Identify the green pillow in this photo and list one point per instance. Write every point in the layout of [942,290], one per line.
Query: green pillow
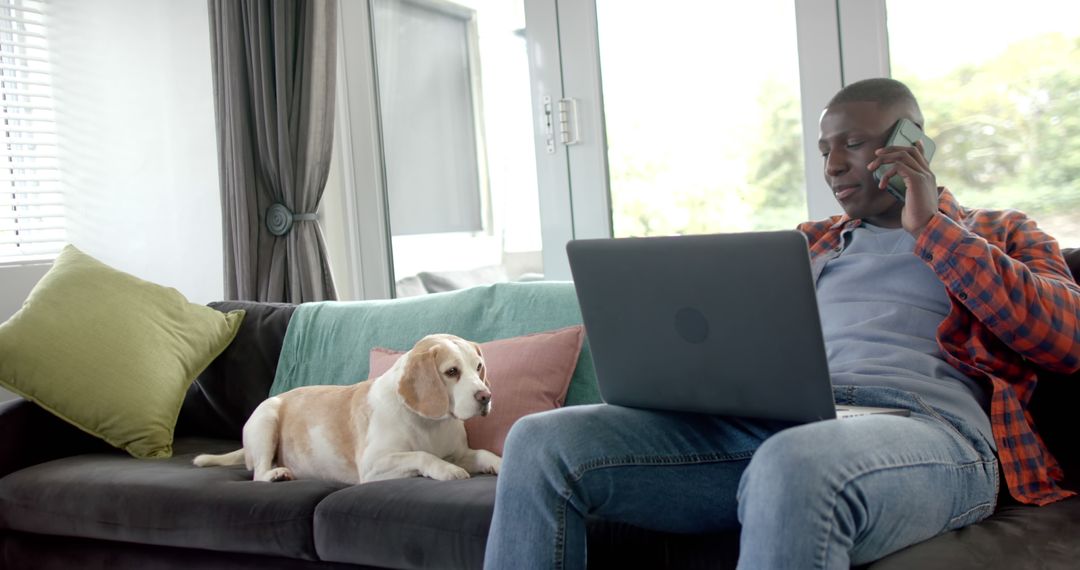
[110,353]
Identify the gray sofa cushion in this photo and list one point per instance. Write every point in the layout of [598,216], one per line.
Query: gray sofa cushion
[1015,536]
[40,552]
[407,523]
[166,502]
[31,435]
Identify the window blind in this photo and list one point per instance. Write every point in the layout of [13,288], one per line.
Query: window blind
[31,198]
[428,101]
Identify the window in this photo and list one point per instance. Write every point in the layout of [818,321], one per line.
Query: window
[700,117]
[453,89]
[31,202]
[428,116]
[701,138]
[1002,102]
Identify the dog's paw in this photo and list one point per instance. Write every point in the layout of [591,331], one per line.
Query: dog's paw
[279,474]
[447,472]
[492,468]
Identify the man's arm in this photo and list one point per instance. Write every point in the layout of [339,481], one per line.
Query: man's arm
[1024,294]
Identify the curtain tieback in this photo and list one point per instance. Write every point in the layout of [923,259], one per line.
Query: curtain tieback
[280,219]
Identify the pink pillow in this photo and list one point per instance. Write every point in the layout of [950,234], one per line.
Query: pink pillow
[528,374]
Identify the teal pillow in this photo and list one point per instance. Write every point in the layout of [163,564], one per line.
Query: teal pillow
[109,352]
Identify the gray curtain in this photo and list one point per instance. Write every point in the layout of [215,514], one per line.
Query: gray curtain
[274,69]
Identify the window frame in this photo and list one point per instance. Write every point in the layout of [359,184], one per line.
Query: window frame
[580,209]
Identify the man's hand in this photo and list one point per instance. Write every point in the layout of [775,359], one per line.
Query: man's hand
[922,193]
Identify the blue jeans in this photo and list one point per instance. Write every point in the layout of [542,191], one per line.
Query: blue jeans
[827,494]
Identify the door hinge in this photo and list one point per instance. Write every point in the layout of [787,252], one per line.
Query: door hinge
[562,118]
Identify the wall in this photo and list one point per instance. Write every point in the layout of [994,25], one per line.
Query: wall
[134,106]
[135,115]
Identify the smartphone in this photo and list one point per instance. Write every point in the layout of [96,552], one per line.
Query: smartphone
[905,133]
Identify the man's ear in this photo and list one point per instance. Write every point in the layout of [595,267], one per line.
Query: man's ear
[421,386]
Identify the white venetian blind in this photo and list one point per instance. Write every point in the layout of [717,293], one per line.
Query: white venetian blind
[31,201]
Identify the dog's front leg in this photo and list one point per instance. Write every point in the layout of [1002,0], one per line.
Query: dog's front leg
[478,461]
[410,464]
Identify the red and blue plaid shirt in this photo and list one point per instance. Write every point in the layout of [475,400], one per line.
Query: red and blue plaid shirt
[1014,312]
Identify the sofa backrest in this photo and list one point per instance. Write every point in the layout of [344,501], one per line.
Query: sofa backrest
[322,333]
[1054,406]
[223,396]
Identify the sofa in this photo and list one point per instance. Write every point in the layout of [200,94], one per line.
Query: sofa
[70,500]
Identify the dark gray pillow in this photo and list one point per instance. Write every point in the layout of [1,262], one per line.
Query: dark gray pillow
[222,398]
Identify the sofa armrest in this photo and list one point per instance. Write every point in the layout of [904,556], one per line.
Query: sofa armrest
[30,435]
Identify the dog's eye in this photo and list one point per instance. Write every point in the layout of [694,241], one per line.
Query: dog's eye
[479,366]
[453,372]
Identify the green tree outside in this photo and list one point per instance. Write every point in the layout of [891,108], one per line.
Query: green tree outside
[1008,134]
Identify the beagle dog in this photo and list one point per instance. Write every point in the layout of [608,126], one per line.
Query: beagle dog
[405,423]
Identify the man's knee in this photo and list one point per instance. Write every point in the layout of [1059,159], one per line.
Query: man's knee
[791,466]
[540,439]
[527,432]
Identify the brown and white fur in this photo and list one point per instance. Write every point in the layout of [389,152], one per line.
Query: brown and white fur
[407,422]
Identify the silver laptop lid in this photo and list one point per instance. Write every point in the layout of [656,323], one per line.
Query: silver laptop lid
[721,324]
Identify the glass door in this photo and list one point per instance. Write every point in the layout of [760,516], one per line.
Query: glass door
[486,134]
[457,141]
[684,117]
[702,115]
[1002,102]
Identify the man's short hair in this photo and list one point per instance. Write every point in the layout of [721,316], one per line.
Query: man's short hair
[882,90]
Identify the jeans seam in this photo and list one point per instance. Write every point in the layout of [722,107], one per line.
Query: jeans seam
[560,531]
[653,460]
[967,513]
[836,494]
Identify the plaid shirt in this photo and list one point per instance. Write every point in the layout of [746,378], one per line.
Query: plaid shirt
[1014,312]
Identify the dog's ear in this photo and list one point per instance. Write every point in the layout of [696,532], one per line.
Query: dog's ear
[421,385]
[483,368]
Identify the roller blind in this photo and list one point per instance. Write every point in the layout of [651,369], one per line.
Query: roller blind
[31,197]
[427,101]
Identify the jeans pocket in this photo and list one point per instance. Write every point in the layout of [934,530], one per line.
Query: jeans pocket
[930,411]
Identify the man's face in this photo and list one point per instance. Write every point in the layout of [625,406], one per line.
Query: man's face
[850,133]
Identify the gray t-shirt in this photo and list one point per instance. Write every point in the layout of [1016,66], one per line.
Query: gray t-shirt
[880,309]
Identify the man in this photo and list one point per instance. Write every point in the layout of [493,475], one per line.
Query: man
[925,305]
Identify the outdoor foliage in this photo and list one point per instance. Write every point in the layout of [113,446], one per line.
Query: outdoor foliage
[1008,134]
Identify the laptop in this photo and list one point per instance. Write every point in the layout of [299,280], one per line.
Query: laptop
[723,324]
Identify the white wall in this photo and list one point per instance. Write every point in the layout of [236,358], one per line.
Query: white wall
[135,115]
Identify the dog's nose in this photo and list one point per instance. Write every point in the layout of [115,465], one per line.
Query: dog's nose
[483,396]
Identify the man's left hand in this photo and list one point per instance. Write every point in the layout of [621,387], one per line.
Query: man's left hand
[921,198]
